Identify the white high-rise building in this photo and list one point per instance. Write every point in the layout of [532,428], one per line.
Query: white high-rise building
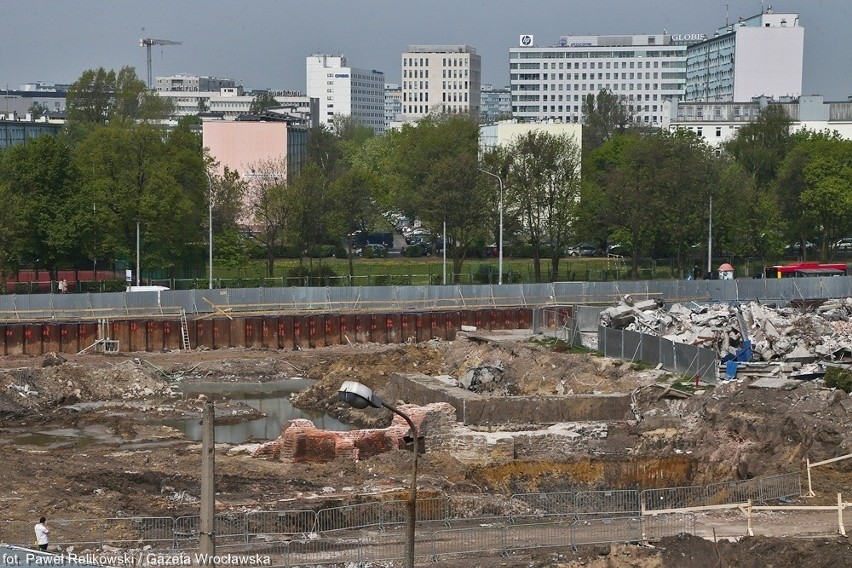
[550,83]
[440,79]
[393,103]
[346,91]
[758,56]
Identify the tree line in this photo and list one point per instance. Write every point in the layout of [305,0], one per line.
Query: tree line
[81,196]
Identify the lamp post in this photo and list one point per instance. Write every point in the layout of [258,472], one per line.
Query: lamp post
[209,232]
[500,240]
[358,395]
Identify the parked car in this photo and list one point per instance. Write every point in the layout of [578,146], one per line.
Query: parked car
[584,249]
[372,250]
[844,245]
[618,249]
[796,249]
[413,234]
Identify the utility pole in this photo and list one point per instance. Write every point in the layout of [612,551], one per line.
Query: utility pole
[206,529]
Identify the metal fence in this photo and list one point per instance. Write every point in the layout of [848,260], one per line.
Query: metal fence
[35,307]
[688,360]
[451,526]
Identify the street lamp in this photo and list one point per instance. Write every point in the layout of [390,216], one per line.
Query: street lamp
[209,231]
[360,396]
[500,241]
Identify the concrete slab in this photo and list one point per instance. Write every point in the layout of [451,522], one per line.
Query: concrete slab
[774,383]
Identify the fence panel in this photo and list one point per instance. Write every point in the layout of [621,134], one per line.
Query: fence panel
[297,522]
[471,540]
[19,533]
[136,532]
[186,531]
[461,507]
[651,351]
[85,532]
[428,510]
[673,498]
[548,504]
[537,535]
[780,487]
[632,348]
[729,492]
[607,504]
[660,526]
[358,516]
[322,551]
[600,531]
[230,530]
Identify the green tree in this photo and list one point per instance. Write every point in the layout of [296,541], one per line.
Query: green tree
[430,172]
[815,189]
[544,182]
[760,146]
[655,191]
[36,180]
[100,96]
[262,103]
[37,109]
[353,207]
[270,204]
[136,175]
[604,116]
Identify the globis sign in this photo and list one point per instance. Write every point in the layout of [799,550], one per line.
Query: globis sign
[689,37]
[341,75]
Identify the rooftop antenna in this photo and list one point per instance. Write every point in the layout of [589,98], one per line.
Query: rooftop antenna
[727,13]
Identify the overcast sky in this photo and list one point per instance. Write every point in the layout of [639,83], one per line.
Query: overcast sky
[263,43]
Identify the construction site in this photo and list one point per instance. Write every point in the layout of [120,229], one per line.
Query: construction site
[536,448]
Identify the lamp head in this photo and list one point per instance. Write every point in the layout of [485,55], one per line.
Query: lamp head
[357,395]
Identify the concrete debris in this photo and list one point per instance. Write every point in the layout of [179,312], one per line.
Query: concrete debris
[53,359]
[773,383]
[485,378]
[776,334]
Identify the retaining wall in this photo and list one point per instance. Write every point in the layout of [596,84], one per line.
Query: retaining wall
[298,331]
[476,409]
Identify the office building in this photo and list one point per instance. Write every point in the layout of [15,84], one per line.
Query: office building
[758,56]
[505,132]
[716,122]
[14,131]
[550,83]
[393,104]
[193,83]
[440,79]
[346,91]
[496,103]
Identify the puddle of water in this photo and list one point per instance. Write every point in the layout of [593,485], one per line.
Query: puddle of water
[60,437]
[273,399]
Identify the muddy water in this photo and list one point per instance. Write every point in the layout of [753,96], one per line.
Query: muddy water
[273,399]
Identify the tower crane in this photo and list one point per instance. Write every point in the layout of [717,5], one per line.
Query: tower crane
[147,42]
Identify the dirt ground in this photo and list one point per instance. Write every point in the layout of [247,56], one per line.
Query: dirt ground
[132,462]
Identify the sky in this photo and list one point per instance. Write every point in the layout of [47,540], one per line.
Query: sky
[262,44]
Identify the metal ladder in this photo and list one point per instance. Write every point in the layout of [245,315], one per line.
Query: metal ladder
[184,332]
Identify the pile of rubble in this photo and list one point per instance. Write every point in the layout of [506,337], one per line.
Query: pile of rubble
[775,334]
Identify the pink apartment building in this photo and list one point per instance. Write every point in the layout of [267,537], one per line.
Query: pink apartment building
[251,147]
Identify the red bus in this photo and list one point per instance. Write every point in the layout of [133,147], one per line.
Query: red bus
[801,269]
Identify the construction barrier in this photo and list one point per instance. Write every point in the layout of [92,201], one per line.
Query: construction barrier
[300,331]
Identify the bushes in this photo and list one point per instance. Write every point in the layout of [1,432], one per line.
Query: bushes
[311,276]
[414,251]
[487,274]
[392,280]
[835,377]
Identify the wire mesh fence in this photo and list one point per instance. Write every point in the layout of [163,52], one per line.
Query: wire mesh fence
[457,525]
